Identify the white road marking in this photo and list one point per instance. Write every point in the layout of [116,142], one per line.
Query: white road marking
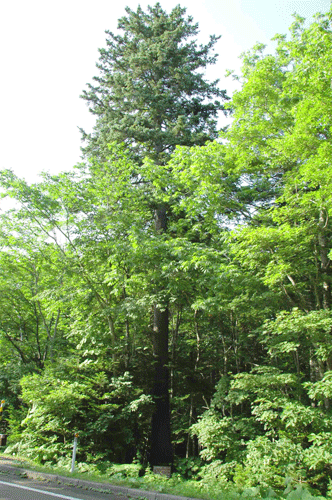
[57,495]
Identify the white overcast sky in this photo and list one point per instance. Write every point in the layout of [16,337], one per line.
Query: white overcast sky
[49,50]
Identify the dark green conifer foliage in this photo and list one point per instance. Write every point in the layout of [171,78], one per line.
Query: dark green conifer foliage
[151,94]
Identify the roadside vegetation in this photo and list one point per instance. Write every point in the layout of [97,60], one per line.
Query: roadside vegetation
[134,476]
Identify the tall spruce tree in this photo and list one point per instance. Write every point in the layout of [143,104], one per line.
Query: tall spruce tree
[151,94]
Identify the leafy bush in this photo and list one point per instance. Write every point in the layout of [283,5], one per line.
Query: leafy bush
[268,463]
[262,429]
[111,416]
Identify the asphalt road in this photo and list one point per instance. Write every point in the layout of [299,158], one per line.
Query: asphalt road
[12,488]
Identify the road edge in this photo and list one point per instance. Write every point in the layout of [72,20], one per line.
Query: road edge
[89,485]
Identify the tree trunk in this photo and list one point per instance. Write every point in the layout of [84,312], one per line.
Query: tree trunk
[325,261]
[113,343]
[161,446]
[191,448]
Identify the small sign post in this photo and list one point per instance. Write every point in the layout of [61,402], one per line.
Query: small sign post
[74,453]
[3,437]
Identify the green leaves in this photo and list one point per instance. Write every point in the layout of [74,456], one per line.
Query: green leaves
[68,398]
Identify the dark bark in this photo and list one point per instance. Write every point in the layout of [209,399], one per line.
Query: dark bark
[161,446]
[325,261]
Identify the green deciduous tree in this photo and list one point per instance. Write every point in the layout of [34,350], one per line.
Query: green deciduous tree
[279,144]
[31,281]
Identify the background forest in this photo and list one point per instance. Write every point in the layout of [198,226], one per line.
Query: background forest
[177,272]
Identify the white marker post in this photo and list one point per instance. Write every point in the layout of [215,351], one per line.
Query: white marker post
[74,453]
[3,437]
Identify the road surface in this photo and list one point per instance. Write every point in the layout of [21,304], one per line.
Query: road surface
[16,488]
